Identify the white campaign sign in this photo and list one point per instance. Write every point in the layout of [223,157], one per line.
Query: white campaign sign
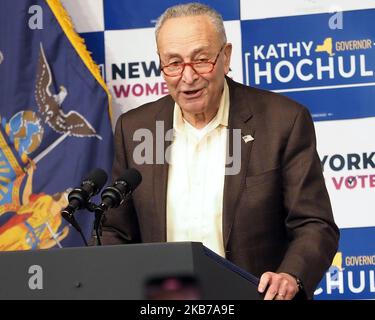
[347,150]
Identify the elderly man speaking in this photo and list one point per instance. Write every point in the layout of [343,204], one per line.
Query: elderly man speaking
[271,215]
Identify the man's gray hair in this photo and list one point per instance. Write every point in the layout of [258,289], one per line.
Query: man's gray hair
[192,9]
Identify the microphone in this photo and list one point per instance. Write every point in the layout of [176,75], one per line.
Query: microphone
[79,197]
[114,195]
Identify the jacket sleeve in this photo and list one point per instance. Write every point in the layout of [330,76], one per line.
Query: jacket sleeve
[310,224]
[120,225]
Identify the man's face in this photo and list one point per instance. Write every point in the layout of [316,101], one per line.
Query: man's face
[188,39]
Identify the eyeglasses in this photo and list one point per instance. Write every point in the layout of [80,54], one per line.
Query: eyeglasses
[177,68]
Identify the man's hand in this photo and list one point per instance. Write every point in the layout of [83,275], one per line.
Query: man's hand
[281,286]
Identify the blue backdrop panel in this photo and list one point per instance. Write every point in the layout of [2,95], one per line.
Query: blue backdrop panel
[353,274]
[95,44]
[119,14]
[284,43]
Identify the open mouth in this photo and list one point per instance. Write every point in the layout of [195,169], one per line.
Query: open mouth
[192,93]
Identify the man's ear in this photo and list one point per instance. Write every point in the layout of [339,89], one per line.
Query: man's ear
[227,56]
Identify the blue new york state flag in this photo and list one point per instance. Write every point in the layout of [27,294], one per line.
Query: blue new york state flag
[54,124]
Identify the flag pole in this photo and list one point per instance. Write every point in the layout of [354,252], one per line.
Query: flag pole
[46,151]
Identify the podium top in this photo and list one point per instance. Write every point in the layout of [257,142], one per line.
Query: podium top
[120,272]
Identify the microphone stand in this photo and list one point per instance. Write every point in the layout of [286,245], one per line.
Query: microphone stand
[70,218]
[99,212]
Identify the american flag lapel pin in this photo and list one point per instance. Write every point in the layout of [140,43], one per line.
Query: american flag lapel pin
[248,138]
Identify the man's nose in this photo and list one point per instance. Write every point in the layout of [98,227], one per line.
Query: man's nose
[189,75]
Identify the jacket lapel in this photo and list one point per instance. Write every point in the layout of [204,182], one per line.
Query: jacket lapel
[239,118]
[164,123]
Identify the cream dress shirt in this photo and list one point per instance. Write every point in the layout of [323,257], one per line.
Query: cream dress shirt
[196,179]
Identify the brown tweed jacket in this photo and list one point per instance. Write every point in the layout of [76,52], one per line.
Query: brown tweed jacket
[276,212]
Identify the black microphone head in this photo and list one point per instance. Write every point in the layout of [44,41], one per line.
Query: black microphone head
[132,177]
[114,195]
[97,178]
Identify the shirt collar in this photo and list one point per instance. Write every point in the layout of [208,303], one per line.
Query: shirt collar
[221,117]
